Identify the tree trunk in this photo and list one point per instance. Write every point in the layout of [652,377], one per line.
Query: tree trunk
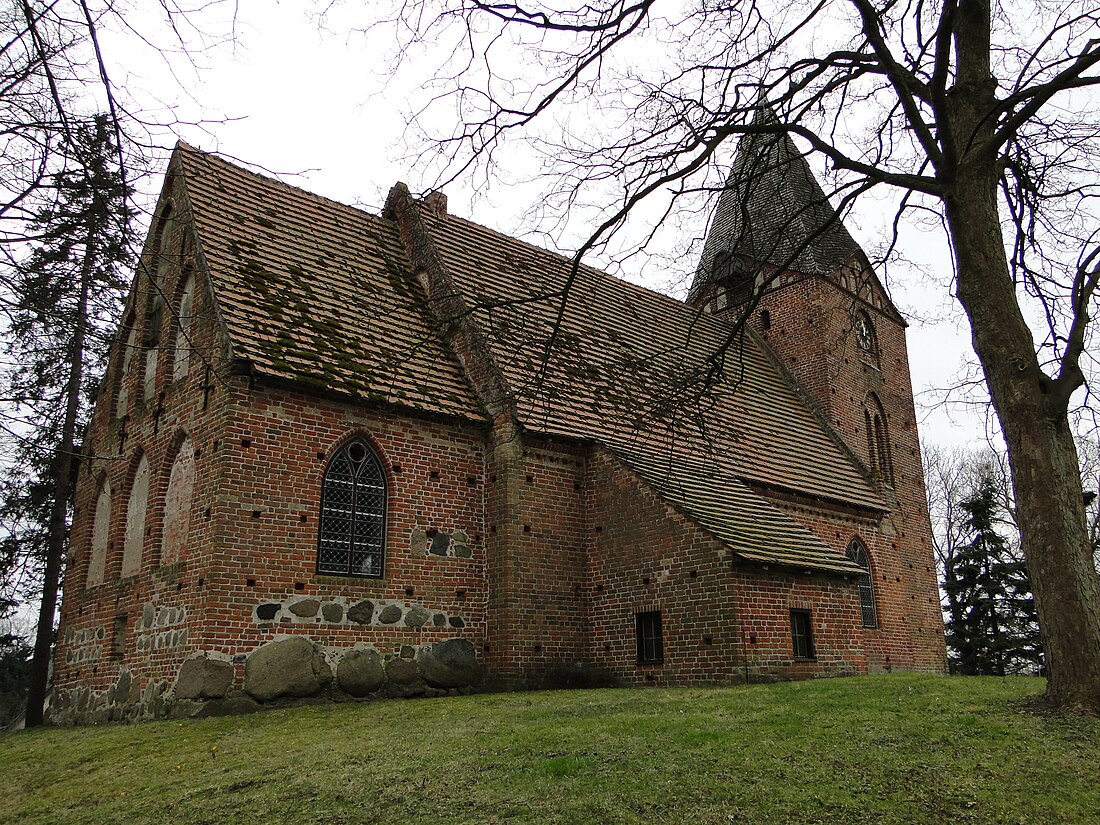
[55,541]
[1042,455]
[1033,416]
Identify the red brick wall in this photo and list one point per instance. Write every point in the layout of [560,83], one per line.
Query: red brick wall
[146,622]
[719,616]
[537,612]
[278,443]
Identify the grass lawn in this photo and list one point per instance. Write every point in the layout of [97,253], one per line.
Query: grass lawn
[873,749]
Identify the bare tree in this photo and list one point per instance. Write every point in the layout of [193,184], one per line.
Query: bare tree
[67,223]
[977,114]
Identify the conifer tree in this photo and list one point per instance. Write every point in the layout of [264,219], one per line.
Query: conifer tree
[65,295]
[992,626]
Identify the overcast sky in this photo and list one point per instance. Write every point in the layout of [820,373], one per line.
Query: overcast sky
[318,108]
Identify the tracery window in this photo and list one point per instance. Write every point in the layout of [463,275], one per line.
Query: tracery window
[351,539]
[857,554]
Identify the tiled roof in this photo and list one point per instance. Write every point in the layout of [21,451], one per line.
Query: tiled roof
[743,520]
[317,292]
[628,367]
[774,210]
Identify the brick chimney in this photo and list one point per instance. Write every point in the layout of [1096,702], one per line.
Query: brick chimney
[436,205]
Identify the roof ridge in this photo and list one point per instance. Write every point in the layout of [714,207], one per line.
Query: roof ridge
[204,154]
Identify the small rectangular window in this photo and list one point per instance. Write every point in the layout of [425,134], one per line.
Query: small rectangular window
[802,636]
[647,631]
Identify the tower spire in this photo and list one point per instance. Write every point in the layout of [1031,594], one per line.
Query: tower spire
[772,210]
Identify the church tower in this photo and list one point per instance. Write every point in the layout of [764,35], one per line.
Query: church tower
[778,255]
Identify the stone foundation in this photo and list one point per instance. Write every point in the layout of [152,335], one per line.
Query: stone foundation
[285,671]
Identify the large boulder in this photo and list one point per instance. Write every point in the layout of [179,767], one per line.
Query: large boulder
[288,667]
[360,672]
[449,664]
[203,678]
[401,671]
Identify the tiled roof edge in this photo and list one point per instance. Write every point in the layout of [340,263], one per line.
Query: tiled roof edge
[298,191]
[837,569]
[202,269]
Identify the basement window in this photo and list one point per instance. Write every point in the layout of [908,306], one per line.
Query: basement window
[802,636]
[647,633]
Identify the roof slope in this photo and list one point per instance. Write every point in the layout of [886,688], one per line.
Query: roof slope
[629,367]
[745,522]
[317,292]
[773,209]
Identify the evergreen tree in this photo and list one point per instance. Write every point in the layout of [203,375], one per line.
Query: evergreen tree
[65,296]
[15,661]
[992,624]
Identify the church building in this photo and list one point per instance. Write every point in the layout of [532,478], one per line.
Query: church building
[341,454]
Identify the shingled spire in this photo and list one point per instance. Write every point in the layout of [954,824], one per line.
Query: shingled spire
[772,210]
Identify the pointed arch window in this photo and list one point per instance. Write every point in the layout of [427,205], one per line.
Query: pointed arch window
[878,441]
[101,530]
[161,244]
[177,505]
[136,507]
[183,329]
[351,540]
[857,554]
[153,323]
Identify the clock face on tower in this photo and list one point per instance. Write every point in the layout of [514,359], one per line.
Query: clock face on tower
[865,333]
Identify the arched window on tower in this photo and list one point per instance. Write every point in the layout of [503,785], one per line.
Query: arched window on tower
[879,458]
[734,281]
[351,539]
[857,554]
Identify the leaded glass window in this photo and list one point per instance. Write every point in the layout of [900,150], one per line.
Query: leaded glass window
[858,555]
[353,513]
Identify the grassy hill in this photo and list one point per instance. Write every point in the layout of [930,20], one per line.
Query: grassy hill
[880,749]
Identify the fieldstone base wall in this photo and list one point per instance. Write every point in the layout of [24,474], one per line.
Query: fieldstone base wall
[278,673]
